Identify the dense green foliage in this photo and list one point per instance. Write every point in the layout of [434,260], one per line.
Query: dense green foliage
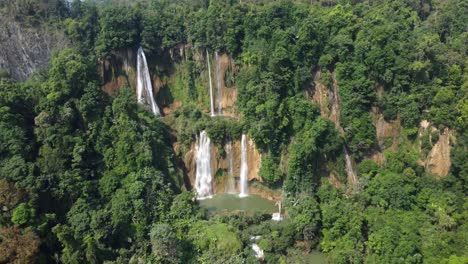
[90,178]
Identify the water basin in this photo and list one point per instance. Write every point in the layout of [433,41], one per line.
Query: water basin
[223,203]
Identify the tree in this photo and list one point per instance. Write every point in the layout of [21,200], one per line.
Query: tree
[120,28]
[165,245]
[17,245]
[23,214]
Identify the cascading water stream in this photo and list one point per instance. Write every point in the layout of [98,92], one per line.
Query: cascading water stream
[144,87]
[211,85]
[230,182]
[218,84]
[349,165]
[204,178]
[243,185]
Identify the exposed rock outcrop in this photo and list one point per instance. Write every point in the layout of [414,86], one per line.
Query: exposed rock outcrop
[272,195]
[25,50]
[328,100]
[228,92]
[438,160]
[387,134]
[118,69]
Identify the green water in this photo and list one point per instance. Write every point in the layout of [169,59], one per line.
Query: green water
[222,203]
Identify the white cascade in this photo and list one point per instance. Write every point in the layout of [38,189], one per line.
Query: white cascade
[277,216]
[244,170]
[144,87]
[204,178]
[349,165]
[230,182]
[211,85]
[259,254]
[218,84]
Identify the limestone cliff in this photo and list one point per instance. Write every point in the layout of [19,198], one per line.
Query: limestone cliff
[228,92]
[437,161]
[24,49]
[387,134]
[328,100]
[118,69]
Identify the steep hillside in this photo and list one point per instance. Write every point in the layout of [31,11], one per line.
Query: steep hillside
[27,48]
[345,120]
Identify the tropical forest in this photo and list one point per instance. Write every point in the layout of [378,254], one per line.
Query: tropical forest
[234,131]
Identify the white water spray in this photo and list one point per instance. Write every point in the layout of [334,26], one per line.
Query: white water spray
[204,178]
[211,85]
[230,182]
[218,84]
[144,87]
[259,254]
[349,165]
[277,216]
[244,170]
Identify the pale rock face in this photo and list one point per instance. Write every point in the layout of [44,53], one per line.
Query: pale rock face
[424,124]
[25,50]
[328,100]
[385,130]
[124,60]
[226,96]
[438,161]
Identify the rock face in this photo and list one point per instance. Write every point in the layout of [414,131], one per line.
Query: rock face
[25,50]
[220,164]
[228,92]
[328,100]
[438,160]
[117,70]
[387,134]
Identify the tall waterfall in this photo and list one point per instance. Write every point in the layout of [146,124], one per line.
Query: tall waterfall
[243,186]
[349,165]
[211,85]
[230,186]
[203,180]
[144,87]
[218,84]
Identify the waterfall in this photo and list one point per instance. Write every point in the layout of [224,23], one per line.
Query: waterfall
[144,87]
[259,254]
[211,85]
[243,186]
[277,216]
[218,84]
[203,180]
[230,182]
[349,165]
